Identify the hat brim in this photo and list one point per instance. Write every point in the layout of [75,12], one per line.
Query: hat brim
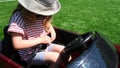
[39,8]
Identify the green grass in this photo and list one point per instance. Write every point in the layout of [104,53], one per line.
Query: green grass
[80,16]
[6,9]
[91,15]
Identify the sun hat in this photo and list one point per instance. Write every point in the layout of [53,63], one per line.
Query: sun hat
[42,7]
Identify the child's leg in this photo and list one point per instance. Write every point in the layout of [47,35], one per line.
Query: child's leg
[54,58]
[59,49]
[55,55]
[51,55]
[47,57]
[55,48]
[65,57]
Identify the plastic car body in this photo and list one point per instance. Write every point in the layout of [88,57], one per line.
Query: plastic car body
[89,50]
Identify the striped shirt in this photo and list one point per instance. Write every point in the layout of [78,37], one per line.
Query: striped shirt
[18,25]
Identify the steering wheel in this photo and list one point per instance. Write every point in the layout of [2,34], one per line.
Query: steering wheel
[78,43]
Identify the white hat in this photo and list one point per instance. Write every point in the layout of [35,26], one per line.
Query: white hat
[42,7]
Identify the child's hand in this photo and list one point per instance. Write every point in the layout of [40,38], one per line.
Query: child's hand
[45,39]
[52,33]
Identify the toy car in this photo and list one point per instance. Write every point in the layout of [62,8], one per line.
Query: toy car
[88,50]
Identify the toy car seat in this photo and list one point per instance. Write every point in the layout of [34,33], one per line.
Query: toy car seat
[7,48]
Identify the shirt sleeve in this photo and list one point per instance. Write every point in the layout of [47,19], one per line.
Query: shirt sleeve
[15,28]
[16,24]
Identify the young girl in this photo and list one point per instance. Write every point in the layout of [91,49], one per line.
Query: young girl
[30,25]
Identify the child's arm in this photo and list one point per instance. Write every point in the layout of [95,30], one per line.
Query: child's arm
[19,43]
[50,30]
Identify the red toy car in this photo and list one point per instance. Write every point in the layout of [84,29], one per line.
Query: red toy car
[89,50]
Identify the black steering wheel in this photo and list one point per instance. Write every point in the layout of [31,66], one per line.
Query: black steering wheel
[78,43]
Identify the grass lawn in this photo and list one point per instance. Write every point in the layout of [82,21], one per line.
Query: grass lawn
[6,9]
[79,16]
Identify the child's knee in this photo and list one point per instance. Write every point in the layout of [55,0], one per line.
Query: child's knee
[52,57]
